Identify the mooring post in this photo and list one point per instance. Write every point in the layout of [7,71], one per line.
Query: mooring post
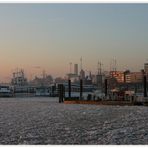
[81,89]
[61,94]
[53,90]
[69,88]
[106,87]
[145,86]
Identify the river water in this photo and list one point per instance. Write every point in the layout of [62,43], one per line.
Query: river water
[43,120]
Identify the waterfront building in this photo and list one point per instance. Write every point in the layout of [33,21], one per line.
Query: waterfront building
[42,81]
[128,78]
[136,77]
[59,80]
[72,77]
[133,77]
[118,75]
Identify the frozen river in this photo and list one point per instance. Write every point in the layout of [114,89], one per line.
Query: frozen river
[45,121]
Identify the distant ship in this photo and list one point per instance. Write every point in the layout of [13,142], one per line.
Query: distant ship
[6,91]
[75,90]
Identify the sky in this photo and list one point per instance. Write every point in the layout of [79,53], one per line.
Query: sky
[48,37]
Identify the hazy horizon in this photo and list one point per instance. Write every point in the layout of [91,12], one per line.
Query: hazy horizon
[50,36]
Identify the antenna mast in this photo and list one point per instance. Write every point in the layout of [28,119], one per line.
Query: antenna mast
[81,62]
[113,65]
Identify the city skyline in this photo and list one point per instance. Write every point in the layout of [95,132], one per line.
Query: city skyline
[39,37]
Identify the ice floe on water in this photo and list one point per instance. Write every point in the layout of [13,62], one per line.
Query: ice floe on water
[45,121]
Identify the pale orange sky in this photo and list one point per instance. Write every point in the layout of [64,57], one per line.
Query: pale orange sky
[53,35]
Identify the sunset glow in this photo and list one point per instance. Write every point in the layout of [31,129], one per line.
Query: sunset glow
[50,36]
